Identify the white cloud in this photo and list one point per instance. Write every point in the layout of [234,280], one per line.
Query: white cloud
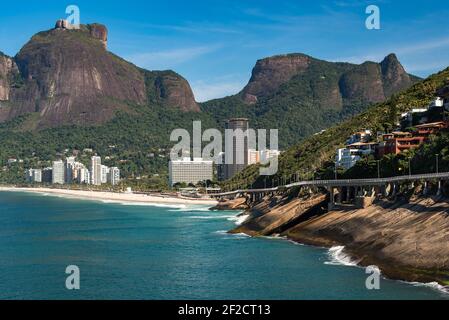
[167,59]
[205,91]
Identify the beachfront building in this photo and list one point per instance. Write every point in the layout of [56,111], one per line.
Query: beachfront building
[95,170]
[58,172]
[47,175]
[238,147]
[221,167]
[34,175]
[104,174]
[190,171]
[69,169]
[114,176]
[83,176]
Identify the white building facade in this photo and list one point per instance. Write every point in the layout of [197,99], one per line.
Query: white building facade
[190,171]
[95,170]
[58,172]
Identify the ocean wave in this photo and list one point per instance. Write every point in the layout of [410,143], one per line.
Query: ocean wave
[275,236]
[433,285]
[186,208]
[337,256]
[236,236]
[296,243]
[207,217]
[146,204]
[239,219]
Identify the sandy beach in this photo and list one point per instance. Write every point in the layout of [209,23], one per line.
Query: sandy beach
[115,196]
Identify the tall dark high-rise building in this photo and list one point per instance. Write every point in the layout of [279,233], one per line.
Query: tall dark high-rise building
[238,153]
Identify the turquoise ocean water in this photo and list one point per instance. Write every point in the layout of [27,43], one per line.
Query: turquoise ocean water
[153,252]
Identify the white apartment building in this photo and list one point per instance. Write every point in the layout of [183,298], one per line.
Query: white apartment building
[114,176]
[34,175]
[104,173]
[69,169]
[83,175]
[58,176]
[95,170]
[190,171]
[347,158]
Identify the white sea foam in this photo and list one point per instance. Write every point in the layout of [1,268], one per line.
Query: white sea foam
[239,219]
[296,243]
[192,208]
[207,217]
[337,256]
[236,236]
[276,236]
[433,285]
[160,205]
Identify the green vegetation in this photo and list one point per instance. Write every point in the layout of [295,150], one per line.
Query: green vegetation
[313,157]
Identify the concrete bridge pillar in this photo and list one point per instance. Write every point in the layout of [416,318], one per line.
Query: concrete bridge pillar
[331,204]
[425,189]
[339,195]
[394,190]
[440,189]
[348,194]
[385,189]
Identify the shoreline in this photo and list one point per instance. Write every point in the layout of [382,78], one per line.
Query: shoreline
[109,196]
[389,234]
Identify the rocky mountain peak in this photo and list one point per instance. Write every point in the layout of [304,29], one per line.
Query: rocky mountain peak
[270,73]
[336,83]
[67,77]
[394,76]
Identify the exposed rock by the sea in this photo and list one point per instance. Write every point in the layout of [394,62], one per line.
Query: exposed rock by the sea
[235,204]
[406,239]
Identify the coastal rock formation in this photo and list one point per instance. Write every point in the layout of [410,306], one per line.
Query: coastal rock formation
[406,239]
[68,78]
[235,204]
[274,215]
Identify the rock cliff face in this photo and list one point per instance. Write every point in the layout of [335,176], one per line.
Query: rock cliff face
[366,83]
[8,70]
[68,77]
[173,90]
[270,73]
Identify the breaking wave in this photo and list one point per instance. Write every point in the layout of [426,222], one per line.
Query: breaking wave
[433,285]
[337,256]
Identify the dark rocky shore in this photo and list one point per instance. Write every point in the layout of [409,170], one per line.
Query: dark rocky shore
[406,237]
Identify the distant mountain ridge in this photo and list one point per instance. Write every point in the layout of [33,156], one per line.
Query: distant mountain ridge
[369,82]
[302,95]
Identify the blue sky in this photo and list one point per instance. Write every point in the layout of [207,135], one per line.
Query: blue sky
[215,44]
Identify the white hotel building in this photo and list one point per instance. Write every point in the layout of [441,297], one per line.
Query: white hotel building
[190,171]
